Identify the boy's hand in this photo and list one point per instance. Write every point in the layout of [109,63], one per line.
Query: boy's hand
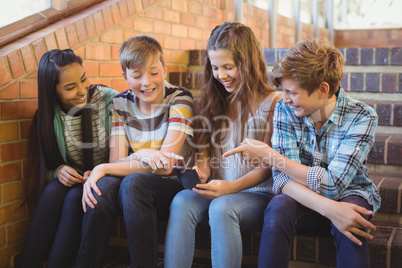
[86,176]
[157,159]
[213,189]
[347,219]
[253,151]
[87,196]
[68,176]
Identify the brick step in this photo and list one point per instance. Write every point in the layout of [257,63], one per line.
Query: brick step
[386,154]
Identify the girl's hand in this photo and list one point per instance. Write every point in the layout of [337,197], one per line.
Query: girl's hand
[87,196]
[214,188]
[68,176]
[202,175]
[86,176]
[347,219]
[252,151]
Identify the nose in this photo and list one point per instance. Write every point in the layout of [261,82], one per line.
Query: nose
[145,80]
[82,89]
[222,74]
[286,98]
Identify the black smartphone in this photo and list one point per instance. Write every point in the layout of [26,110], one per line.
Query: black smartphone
[187,176]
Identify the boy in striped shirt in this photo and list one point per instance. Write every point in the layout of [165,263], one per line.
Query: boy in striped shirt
[150,125]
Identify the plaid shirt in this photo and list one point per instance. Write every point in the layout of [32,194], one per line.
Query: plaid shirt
[336,155]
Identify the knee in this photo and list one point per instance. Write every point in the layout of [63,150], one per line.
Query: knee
[221,208]
[109,187]
[281,209]
[133,185]
[53,191]
[183,202]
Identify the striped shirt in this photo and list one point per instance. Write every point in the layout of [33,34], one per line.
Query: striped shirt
[149,131]
[336,155]
[73,136]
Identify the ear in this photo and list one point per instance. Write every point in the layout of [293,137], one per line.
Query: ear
[165,71]
[324,90]
[123,73]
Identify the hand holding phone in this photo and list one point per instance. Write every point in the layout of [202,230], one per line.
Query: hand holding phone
[188,177]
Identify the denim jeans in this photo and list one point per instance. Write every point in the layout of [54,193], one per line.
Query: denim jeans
[228,216]
[284,216]
[56,224]
[144,199]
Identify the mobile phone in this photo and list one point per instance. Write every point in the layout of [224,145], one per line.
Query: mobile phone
[187,176]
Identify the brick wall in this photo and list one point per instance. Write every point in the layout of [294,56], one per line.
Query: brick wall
[95,34]
[369,38]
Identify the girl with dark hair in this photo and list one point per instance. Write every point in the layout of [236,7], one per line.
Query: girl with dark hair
[70,135]
[236,102]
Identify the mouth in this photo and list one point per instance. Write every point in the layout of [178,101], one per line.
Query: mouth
[227,83]
[147,91]
[84,98]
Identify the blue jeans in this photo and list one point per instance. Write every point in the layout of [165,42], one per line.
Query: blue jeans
[228,216]
[144,199]
[56,224]
[284,216]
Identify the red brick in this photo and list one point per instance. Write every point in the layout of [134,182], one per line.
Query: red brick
[98,52]
[180,57]
[171,16]
[14,151]
[17,231]
[18,109]
[116,13]
[194,32]
[169,43]
[187,44]
[81,30]
[89,23]
[99,23]
[62,38]
[13,191]
[203,22]
[195,8]
[12,212]
[154,13]
[2,236]
[161,27]
[143,25]
[17,69]
[28,89]
[28,58]
[80,51]
[180,5]
[119,84]
[127,35]
[179,30]
[187,19]
[50,40]
[7,253]
[91,68]
[72,35]
[9,92]
[25,127]
[39,48]
[110,70]
[5,75]
[9,131]
[115,52]
[131,7]
[112,36]
[138,6]
[107,17]
[128,24]
[123,9]
[96,81]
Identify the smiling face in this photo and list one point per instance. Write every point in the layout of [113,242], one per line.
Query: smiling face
[72,89]
[147,83]
[224,68]
[298,98]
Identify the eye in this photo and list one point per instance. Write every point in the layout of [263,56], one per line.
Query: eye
[84,79]
[70,88]
[154,74]
[229,68]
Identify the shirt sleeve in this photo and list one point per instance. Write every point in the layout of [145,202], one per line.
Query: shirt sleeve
[117,119]
[181,112]
[284,141]
[350,158]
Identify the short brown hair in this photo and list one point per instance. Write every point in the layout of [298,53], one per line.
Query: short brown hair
[136,51]
[309,63]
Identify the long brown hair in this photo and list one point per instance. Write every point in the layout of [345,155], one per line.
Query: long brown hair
[43,147]
[253,86]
